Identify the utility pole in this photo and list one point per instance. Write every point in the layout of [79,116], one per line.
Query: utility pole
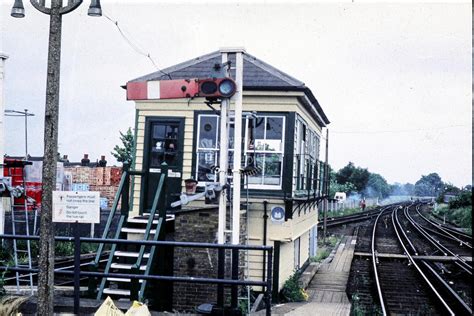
[326,193]
[3,57]
[46,241]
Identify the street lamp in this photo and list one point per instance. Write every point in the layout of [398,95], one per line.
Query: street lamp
[46,241]
[25,114]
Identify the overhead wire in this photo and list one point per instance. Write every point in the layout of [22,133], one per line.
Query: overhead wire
[134,46]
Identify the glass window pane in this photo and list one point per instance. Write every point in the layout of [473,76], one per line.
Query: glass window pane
[256,134]
[255,167]
[159,131]
[272,172]
[207,132]
[206,165]
[274,128]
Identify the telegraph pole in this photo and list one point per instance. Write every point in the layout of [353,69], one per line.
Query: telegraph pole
[46,241]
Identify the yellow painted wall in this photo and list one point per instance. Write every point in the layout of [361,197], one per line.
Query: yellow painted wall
[285,232]
[252,101]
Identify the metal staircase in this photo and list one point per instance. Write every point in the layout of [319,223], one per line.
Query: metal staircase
[135,260]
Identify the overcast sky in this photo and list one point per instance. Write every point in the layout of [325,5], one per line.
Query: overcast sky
[394,79]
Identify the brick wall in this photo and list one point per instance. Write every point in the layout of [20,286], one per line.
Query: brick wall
[197,226]
[102,179]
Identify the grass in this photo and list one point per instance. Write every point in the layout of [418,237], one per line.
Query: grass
[460,216]
[344,212]
[321,254]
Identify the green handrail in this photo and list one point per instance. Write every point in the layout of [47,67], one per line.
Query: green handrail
[111,256]
[120,192]
[150,219]
[160,196]
[141,293]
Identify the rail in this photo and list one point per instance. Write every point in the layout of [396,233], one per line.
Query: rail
[221,281]
[396,223]
[374,263]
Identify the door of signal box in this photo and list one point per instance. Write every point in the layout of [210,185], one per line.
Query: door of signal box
[163,143]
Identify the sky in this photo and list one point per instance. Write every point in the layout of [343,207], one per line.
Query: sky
[394,79]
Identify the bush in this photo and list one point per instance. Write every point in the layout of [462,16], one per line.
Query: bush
[462,200]
[321,254]
[292,291]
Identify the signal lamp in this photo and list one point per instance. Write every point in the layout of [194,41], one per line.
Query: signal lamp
[216,87]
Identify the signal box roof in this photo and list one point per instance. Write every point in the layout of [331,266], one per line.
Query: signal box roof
[257,76]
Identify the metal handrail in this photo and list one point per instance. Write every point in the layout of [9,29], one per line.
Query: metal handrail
[152,216]
[160,195]
[123,179]
[219,281]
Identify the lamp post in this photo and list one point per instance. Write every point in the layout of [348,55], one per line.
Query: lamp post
[46,241]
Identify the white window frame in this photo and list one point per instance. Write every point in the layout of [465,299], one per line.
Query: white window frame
[200,149]
[248,151]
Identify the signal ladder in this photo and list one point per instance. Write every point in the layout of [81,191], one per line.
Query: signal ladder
[22,248]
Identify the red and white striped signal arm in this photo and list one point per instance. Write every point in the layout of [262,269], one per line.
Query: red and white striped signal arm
[181,88]
[162,89]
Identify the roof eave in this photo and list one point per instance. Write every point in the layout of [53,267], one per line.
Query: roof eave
[309,101]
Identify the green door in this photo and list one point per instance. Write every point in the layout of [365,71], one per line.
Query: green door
[163,143]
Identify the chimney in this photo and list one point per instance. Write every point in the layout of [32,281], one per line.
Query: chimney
[102,161]
[85,161]
[65,158]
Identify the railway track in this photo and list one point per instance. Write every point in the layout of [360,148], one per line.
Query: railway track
[406,284]
[63,263]
[353,218]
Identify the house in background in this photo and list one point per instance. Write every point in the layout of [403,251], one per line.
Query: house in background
[281,133]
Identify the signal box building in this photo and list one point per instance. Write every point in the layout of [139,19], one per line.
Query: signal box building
[281,138]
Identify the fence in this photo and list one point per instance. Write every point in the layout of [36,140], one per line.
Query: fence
[334,206]
[220,281]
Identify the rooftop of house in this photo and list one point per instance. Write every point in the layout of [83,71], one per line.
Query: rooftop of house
[257,76]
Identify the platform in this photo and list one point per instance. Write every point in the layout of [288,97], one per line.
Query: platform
[327,290]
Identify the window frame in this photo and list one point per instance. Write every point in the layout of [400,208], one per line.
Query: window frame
[246,152]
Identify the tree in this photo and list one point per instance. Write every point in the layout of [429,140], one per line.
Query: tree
[377,186]
[125,153]
[355,175]
[430,185]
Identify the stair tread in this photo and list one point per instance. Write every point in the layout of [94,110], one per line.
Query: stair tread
[137,220]
[125,266]
[169,217]
[137,230]
[130,254]
[117,292]
[122,280]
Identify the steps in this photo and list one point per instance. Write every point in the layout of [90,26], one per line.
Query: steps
[125,256]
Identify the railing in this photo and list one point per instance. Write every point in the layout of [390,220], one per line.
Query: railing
[221,281]
[311,186]
[123,194]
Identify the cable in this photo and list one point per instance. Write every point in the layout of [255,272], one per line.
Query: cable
[134,46]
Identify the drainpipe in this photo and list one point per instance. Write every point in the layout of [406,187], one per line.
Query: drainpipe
[265,217]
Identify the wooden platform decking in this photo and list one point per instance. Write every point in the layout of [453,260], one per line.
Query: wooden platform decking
[327,290]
